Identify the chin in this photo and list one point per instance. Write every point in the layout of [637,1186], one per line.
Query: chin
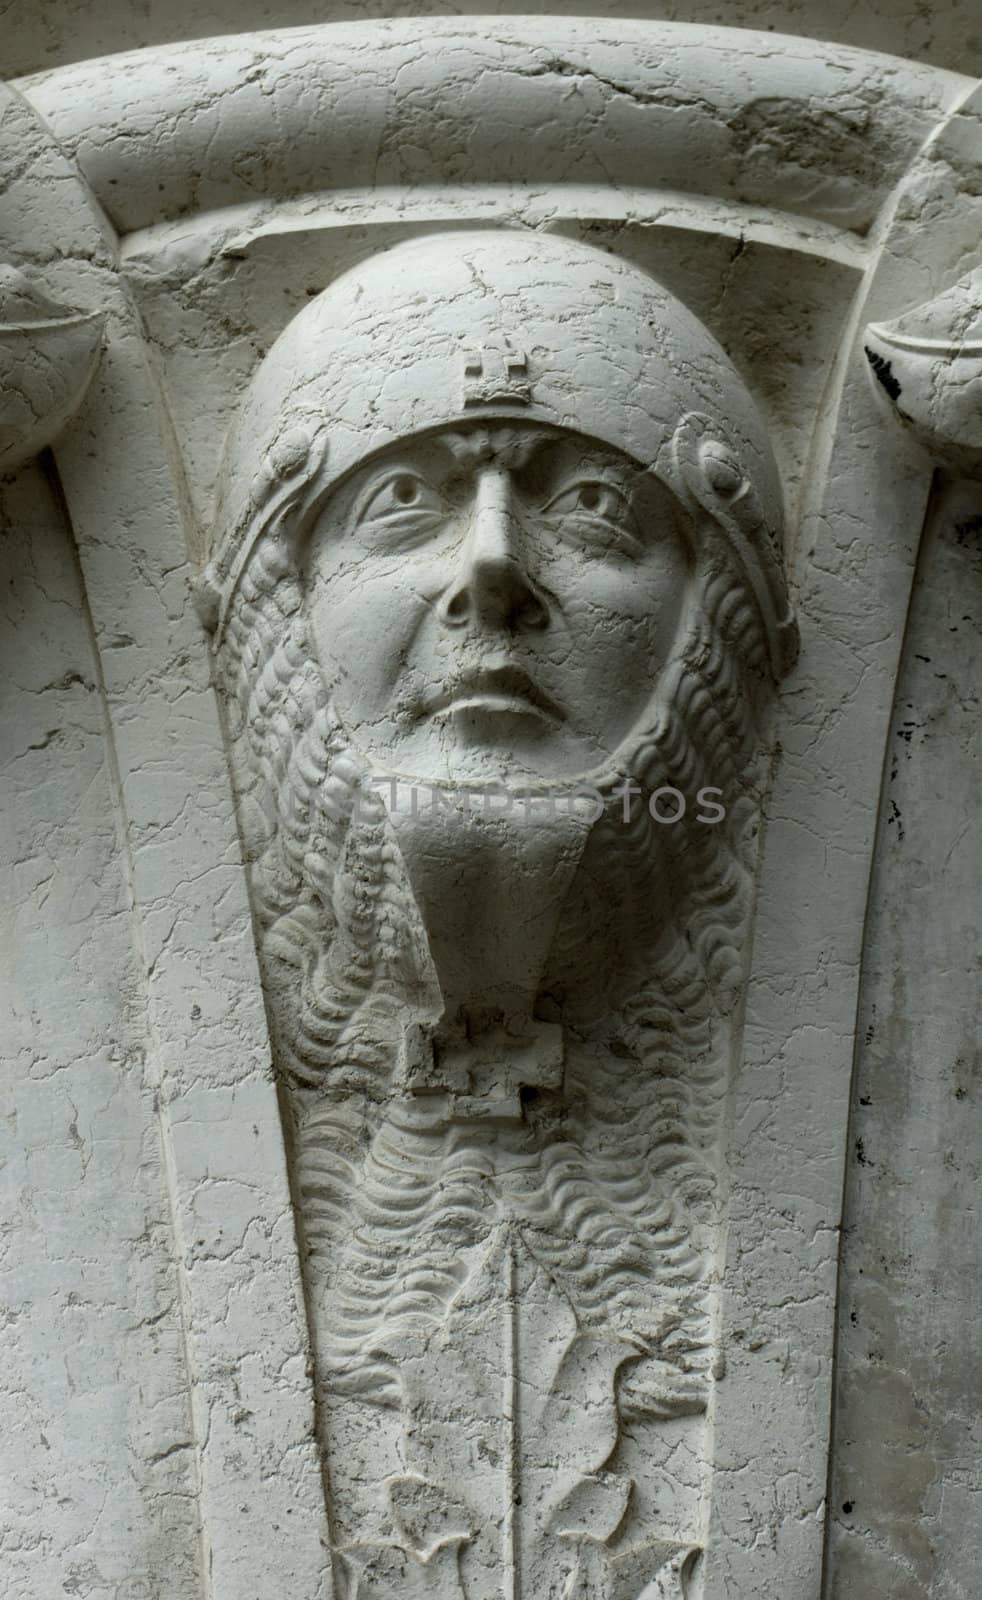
[524,742]
[494,748]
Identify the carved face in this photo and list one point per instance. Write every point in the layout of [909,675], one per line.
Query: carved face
[494,600]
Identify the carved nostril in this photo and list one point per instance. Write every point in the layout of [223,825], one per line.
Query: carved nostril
[456,608]
[532,613]
[500,599]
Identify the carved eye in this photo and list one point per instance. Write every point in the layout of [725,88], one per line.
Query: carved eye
[598,510]
[403,503]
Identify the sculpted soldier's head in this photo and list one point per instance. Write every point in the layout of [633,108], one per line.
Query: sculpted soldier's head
[496,507]
[497,470]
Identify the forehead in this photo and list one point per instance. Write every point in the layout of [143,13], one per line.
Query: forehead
[510,446]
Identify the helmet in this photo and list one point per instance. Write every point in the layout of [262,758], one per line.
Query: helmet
[450,328]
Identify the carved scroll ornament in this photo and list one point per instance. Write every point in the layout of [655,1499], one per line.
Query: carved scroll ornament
[499,565]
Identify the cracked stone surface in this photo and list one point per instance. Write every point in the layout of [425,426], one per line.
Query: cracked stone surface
[498,513]
[60,31]
[905,1485]
[99,1478]
[489,546]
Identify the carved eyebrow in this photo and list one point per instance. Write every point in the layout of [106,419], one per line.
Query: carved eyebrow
[513,447]
[606,467]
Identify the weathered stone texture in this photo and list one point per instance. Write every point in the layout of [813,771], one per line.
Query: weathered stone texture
[426,443]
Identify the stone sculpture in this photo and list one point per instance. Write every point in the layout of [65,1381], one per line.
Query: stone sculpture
[48,354]
[927,369]
[498,601]
[603,1200]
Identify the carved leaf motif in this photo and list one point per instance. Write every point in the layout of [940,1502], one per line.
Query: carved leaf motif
[593,1509]
[424,1561]
[514,1405]
[387,1571]
[669,1582]
[426,1516]
[589,1518]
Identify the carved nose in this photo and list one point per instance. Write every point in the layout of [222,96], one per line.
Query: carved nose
[491,586]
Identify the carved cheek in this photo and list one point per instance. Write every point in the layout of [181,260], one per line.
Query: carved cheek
[429,573]
[364,619]
[663,592]
[624,623]
[649,592]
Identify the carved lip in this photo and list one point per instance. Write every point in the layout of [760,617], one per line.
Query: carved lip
[506,689]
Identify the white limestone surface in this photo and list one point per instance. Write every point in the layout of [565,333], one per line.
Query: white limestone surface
[471,400]
[55,32]
[905,1481]
[98,1467]
[498,549]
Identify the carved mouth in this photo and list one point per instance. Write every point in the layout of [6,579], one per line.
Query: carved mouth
[508,690]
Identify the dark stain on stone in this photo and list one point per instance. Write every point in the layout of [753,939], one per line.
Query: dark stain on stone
[970,529]
[884,373]
[895,816]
